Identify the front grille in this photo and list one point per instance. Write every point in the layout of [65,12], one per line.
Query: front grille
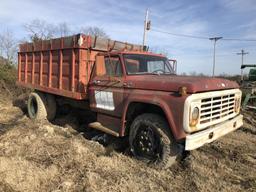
[215,108]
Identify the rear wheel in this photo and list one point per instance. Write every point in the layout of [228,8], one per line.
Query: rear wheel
[151,141]
[41,106]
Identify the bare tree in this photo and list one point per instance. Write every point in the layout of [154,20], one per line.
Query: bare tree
[63,29]
[40,30]
[95,31]
[183,74]
[8,46]
[197,74]
[193,73]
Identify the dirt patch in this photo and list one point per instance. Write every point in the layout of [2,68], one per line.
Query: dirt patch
[45,157]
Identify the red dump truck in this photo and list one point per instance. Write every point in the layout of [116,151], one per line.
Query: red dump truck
[133,93]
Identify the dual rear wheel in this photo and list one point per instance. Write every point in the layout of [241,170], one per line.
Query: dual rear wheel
[41,106]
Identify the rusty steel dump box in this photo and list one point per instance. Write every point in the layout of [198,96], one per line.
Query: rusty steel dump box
[63,66]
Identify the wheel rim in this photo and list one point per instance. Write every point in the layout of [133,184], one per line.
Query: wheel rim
[146,144]
[33,107]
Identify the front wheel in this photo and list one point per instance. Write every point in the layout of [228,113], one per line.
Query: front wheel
[151,141]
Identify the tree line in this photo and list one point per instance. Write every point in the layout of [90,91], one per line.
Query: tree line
[37,30]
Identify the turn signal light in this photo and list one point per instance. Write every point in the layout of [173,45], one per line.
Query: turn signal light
[183,91]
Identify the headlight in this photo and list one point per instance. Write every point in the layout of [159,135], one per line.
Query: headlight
[194,116]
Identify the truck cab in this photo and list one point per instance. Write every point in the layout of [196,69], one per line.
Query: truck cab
[138,94]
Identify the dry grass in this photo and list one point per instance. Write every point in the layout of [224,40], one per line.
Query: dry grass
[45,157]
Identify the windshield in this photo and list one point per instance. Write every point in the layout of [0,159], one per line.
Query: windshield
[147,64]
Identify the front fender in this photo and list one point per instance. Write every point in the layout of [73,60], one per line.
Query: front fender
[163,100]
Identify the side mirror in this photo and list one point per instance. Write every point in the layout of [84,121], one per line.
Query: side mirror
[173,64]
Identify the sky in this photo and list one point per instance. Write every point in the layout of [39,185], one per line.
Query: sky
[123,21]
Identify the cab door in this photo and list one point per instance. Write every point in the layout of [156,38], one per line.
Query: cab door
[106,90]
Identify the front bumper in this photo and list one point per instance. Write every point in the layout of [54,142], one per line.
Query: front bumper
[198,139]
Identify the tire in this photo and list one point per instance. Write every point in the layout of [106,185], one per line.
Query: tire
[151,141]
[41,106]
[36,106]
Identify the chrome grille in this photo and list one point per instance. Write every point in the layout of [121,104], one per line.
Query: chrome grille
[215,108]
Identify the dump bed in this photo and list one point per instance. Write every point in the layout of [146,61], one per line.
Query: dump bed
[63,66]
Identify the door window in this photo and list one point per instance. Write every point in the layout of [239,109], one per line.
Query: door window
[108,66]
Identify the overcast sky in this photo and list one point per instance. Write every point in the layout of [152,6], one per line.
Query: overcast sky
[123,20]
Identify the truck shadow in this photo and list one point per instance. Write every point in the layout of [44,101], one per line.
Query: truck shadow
[78,121]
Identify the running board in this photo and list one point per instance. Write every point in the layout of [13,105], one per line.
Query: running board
[98,126]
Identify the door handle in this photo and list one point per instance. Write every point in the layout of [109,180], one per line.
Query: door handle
[127,84]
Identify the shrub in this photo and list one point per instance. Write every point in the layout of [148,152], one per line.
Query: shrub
[8,74]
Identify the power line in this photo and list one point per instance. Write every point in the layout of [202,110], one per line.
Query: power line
[180,35]
[227,39]
[198,37]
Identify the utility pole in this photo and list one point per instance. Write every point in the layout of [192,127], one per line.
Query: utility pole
[242,61]
[215,39]
[147,24]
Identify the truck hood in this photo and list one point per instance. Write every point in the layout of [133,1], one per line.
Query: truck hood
[173,83]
